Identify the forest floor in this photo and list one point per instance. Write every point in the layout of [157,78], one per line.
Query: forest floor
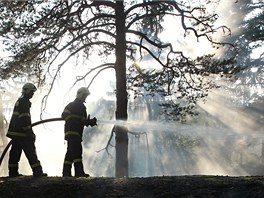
[147,187]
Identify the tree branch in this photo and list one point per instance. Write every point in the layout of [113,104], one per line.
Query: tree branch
[105,66]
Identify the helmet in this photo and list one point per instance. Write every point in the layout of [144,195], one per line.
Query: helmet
[28,87]
[82,92]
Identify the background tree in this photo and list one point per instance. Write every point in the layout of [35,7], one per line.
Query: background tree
[248,37]
[38,32]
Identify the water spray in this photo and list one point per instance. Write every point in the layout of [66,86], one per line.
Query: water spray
[114,122]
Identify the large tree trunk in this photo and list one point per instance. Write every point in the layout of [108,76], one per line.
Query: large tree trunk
[121,93]
[120,65]
[121,169]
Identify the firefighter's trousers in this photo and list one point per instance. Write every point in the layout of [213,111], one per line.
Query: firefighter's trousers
[28,146]
[73,156]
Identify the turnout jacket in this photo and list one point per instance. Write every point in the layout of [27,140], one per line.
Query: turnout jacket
[75,116]
[20,124]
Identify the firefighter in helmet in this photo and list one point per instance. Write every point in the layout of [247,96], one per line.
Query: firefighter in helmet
[75,117]
[22,135]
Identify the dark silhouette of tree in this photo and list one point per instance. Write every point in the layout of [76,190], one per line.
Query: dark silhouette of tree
[248,37]
[38,34]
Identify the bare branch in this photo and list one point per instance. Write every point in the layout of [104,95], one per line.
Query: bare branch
[138,134]
[108,143]
[103,67]
[44,100]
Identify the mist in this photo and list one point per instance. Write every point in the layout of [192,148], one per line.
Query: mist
[227,138]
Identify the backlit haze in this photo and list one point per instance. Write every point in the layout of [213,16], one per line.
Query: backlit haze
[226,139]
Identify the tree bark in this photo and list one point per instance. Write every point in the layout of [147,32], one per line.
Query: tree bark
[121,168]
[121,151]
[120,64]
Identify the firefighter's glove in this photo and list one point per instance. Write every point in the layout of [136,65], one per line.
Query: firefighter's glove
[93,122]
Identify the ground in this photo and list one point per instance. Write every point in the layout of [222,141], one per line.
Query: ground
[149,187]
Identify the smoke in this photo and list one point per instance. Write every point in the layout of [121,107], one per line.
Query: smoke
[226,139]
[178,149]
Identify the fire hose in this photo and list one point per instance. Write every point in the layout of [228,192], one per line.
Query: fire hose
[34,124]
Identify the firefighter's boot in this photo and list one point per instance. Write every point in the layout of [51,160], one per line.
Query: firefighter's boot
[79,172]
[37,171]
[66,172]
[13,170]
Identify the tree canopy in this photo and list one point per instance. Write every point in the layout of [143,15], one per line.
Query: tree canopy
[248,37]
[42,36]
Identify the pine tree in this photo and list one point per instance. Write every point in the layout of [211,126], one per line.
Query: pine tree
[39,33]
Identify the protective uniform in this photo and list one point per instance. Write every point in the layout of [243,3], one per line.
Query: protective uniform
[75,117]
[22,135]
